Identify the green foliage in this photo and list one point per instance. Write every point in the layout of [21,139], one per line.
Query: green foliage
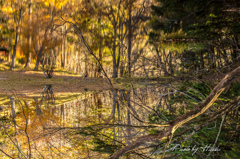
[199,18]
[205,22]
[235,89]
[86,131]
[201,87]
[159,117]
[190,59]
[207,135]
[103,146]
[194,93]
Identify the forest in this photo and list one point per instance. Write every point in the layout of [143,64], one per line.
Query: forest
[134,79]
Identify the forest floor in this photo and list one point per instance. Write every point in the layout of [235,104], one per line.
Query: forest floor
[32,83]
[28,83]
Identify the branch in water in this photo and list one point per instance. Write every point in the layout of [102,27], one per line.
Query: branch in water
[179,121]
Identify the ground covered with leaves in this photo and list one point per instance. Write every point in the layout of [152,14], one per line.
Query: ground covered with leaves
[30,83]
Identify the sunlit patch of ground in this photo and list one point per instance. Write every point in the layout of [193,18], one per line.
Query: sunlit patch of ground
[32,83]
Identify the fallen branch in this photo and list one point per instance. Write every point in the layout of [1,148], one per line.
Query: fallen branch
[179,121]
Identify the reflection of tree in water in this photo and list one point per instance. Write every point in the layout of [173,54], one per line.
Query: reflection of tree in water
[43,117]
[95,124]
[98,123]
[31,120]
[47,97]
[47,94]
[116,125]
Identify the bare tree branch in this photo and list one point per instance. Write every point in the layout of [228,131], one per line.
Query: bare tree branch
[6,153]
[179,121]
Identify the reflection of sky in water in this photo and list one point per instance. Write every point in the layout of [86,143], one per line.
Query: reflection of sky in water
[85,125]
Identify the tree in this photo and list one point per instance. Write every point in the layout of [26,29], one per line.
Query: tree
[121,34]
[15,11]
[173,125]
[44,36]
[207,23]
[29,40]
[176,17]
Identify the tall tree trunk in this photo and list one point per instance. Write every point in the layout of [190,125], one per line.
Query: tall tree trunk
[37,63]
[39,58]
[129,36]
[121,61]
[86,70]
[100,46]
[28,62]
[115,68]
[65,50]
[29,54]
[15,50]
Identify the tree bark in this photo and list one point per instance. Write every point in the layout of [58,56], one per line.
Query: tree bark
[15,50]
[115,68]
[39,58]
[129,36]
[63,47]
[29,54]
[37,63]
[100,45]
[28,62]
[65,50]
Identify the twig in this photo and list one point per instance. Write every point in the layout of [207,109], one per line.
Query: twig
[220,128]
[6,154]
